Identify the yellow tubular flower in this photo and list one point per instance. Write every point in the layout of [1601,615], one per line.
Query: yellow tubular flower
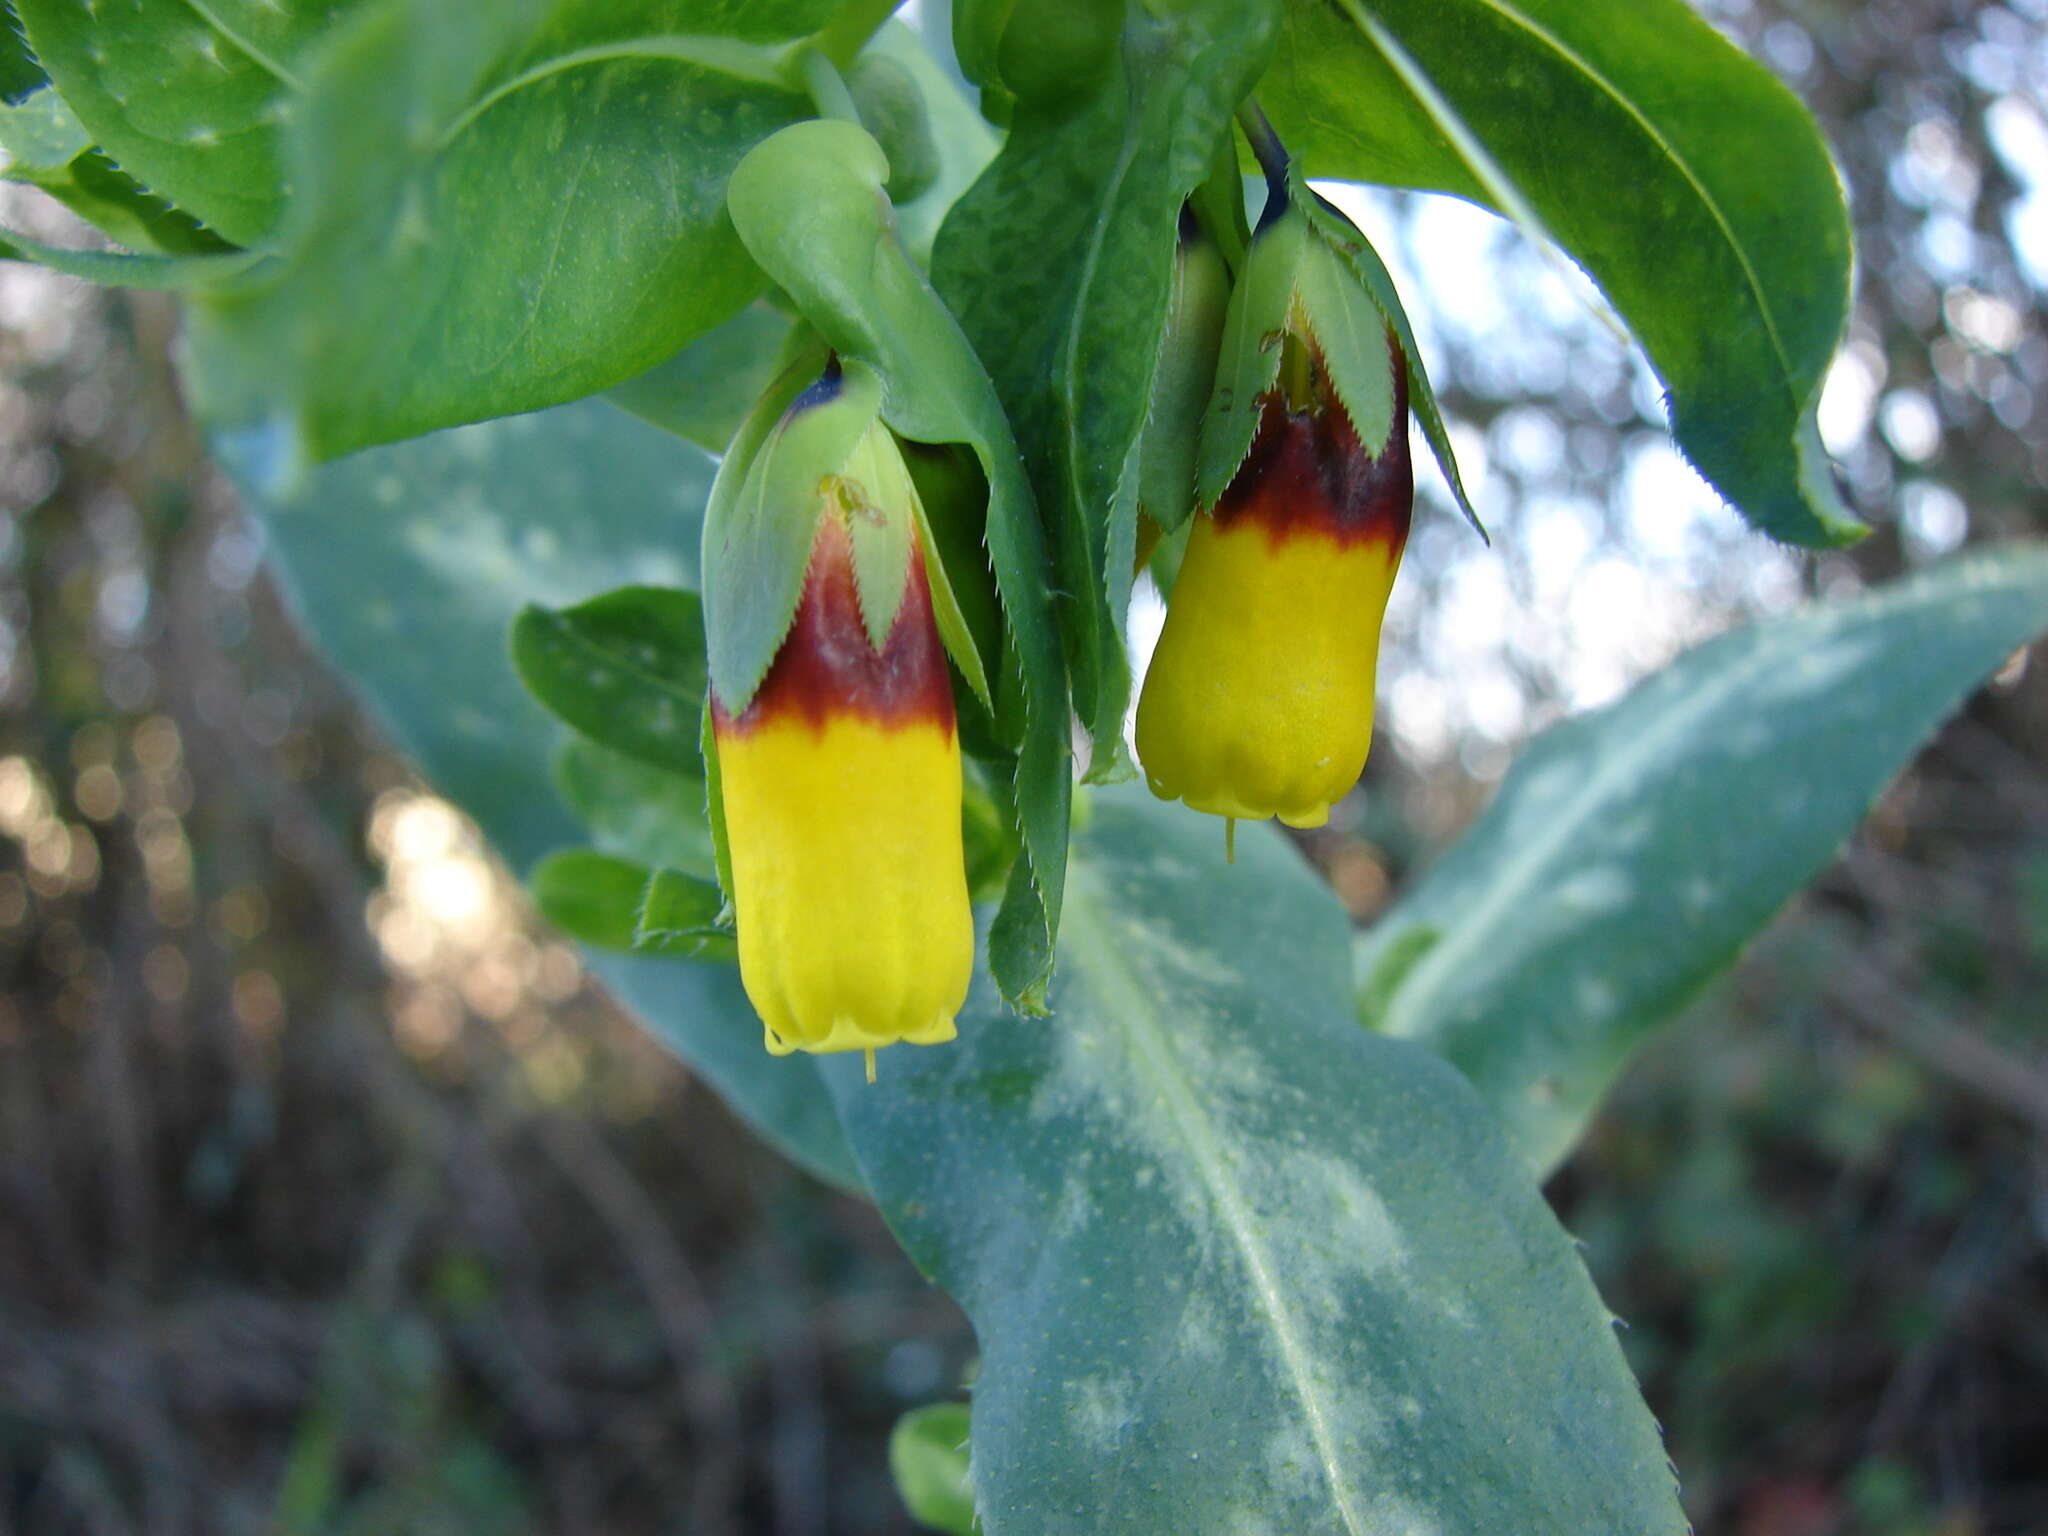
[841,786]
[1259,700]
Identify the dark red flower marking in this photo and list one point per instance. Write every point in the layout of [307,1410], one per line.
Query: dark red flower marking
[1307,474]
[827,669]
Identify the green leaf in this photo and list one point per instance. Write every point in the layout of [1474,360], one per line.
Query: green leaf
[188,98]
[964,141]
[955,633]
[48,147]
[810,207]
[592,897]
[882,523]
[1170,447]
[977,36]
[496,206]
[928,1458]
[1235,1264]
[118,269]
[890,101]
[20,74]
[703,393]
[1248,365]
[1309,270]
[1059,262]
[1633,852]
[615,903]
[408,564]
[41,133]
[680,915]
[1729,255]
[625,669]
[714,803]
[105,196]
[1039,54]
[636,811]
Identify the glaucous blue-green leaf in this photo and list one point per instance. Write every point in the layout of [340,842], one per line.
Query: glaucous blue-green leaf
[810,206]
[928,1459]
[1632,852]
[1059,262]
[704,392]
[1691,185]
[494,206]
[1234,1263]
[408,565]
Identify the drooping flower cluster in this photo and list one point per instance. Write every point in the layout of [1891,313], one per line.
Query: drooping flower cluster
[1278,427]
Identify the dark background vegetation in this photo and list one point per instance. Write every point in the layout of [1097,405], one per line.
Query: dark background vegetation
[333,1199]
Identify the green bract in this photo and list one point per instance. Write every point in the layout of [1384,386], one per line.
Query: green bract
[1187,374]
[763,518]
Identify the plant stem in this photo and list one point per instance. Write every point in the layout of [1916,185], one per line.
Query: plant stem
[843,37]
[1266,146]
[828,91]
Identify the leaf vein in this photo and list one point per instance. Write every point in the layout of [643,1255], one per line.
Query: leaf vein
[205,13]
[1153,1057]
[1578,61]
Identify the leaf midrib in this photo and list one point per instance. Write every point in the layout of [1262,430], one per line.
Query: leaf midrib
[242,45]
[1129,1003]
[1510,886]
[721,55]
[1577,61]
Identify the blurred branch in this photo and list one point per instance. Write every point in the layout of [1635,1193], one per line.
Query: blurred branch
[1885,1005]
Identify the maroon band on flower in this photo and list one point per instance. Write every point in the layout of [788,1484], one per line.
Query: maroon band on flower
[827,668]
[1307,474]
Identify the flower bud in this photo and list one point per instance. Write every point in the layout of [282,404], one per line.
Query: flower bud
[1259,699]
[840,779]
[1180,389]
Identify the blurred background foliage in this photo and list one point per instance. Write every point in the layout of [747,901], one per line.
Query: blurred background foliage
[334,1199]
